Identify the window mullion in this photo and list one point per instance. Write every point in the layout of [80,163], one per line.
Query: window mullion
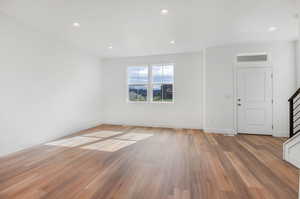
[150,87]
[162,82]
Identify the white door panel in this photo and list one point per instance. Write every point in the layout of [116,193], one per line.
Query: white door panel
[254,100]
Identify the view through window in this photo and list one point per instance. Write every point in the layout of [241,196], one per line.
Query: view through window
[162,83]
[138,83]
[151,83]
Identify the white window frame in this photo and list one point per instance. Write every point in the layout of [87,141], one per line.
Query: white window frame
[128,84]
[149,85]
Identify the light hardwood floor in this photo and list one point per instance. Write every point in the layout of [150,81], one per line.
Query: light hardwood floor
[166,164]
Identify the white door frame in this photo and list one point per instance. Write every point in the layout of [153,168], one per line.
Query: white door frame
[236,66]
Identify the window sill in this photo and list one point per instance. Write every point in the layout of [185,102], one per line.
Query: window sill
[162,102]
[147,102]
[137,102]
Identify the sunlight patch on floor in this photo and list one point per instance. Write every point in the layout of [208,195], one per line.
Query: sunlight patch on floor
[103,134]
[108,141]
[110,145]
[134,136]
[73,142]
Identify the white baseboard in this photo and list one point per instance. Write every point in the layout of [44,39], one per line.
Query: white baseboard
[293,161]
[221,131]
[299,186]
[91,125]
[280,134]
[153,125]
[291,150]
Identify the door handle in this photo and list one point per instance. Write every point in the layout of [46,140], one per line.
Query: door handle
[239,104]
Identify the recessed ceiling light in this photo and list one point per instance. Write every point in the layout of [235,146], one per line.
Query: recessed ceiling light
[110,47]
[172,42]
[272,29]
[164,12]
[76,24]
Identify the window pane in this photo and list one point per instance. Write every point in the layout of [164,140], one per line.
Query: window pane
[167,91]
[137,92]
[163,74]
[168,74]
[157,94]
[157,73]
[138,75]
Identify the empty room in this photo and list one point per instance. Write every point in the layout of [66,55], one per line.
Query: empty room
[149,99]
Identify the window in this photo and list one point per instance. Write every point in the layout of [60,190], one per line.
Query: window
[260,59]
[138,83]
[162,83]
[156,81]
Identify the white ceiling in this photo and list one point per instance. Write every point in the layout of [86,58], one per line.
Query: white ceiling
[136,28]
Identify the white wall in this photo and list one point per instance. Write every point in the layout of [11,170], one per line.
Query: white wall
[48,89]
[298,62]
[298,47]
[219,82]
[297,57]
[298,66]
[186,112]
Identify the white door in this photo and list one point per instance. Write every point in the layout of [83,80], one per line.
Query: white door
[254,100]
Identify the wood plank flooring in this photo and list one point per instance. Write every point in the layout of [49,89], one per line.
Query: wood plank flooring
[170,164]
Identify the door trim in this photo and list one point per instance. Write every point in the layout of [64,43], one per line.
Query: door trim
[235,108]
